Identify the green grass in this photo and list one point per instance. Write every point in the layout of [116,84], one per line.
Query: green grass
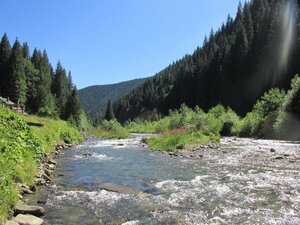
[21,148]
[171,142]
[148,127]
[53,132]
[109,130]
[108,134]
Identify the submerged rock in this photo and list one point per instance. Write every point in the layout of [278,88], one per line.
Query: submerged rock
[87,154]
[278,157]
[22,208]
[51,161]
[25,190]
[172,154]
[28,220]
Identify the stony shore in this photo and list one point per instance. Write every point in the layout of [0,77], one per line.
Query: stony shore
[252,152]
[29,214]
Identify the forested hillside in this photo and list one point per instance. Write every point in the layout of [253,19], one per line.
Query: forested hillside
[94,99]
[29,80]
[244,58]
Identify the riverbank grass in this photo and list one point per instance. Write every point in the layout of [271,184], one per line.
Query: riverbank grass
[109,130]
[52,132]
[21,148]
[105,134]
[171,142]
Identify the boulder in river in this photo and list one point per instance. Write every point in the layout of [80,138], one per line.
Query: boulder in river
[11,222]
[22,208]
[87,154]
[51,161]
[28,220]
[279,157]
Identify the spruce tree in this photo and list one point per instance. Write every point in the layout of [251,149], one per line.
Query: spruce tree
[17,80]
[5,51]
[109,115]
[42,100]
[73,108]
[61,90]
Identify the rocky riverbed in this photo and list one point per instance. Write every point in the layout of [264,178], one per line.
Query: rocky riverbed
[242,181]
[243,151]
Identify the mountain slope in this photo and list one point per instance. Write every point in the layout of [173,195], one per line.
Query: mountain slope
[247,56]
[94,98]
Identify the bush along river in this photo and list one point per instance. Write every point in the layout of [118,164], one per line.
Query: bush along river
[245,181]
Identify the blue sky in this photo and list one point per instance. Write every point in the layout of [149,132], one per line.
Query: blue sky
[108,41]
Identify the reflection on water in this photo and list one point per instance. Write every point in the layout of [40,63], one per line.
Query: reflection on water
[123,183]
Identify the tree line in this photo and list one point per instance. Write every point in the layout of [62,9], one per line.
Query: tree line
[234,67]
[30,80]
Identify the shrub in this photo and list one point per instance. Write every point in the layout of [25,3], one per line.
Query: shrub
[171,142]
[287,123]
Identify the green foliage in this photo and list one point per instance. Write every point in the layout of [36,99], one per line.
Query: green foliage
[50,134]
[85,123]
[110,130]
[218,121]
[5,51]
[21,148]
[269,104]
[109,114]
[171,142]
[66,137]
[230,122]
[139,126]
[252,125]
[40,98]
[259,122]
[17,77]
[30,82]
[234,67]
[288,120]
[73,108]
[19,153]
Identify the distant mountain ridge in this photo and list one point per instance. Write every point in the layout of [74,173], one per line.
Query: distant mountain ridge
[94,98]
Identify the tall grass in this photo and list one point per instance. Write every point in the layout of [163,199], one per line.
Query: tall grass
[21,148]
[109,130]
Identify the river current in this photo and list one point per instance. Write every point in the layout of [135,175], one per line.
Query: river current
[123,182]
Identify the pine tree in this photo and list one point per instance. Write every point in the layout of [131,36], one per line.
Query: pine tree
[248,23]
[109,115]
[42,100]
[61,90]
[17,79]
[73,108]
[25,51]
[5,51]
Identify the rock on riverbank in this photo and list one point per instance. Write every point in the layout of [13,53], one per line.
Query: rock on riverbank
[29,214]
[246,151]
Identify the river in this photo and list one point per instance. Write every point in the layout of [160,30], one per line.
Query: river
[122,182]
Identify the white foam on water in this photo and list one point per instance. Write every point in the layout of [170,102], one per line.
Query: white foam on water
[216,220]
[133,222]
[221,189]
[232,212]
[176,184]
[90,198]
[100,157]
[119,144]
[183,197]
[192,218]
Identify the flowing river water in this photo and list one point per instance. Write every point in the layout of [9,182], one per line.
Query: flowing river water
[123,182]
